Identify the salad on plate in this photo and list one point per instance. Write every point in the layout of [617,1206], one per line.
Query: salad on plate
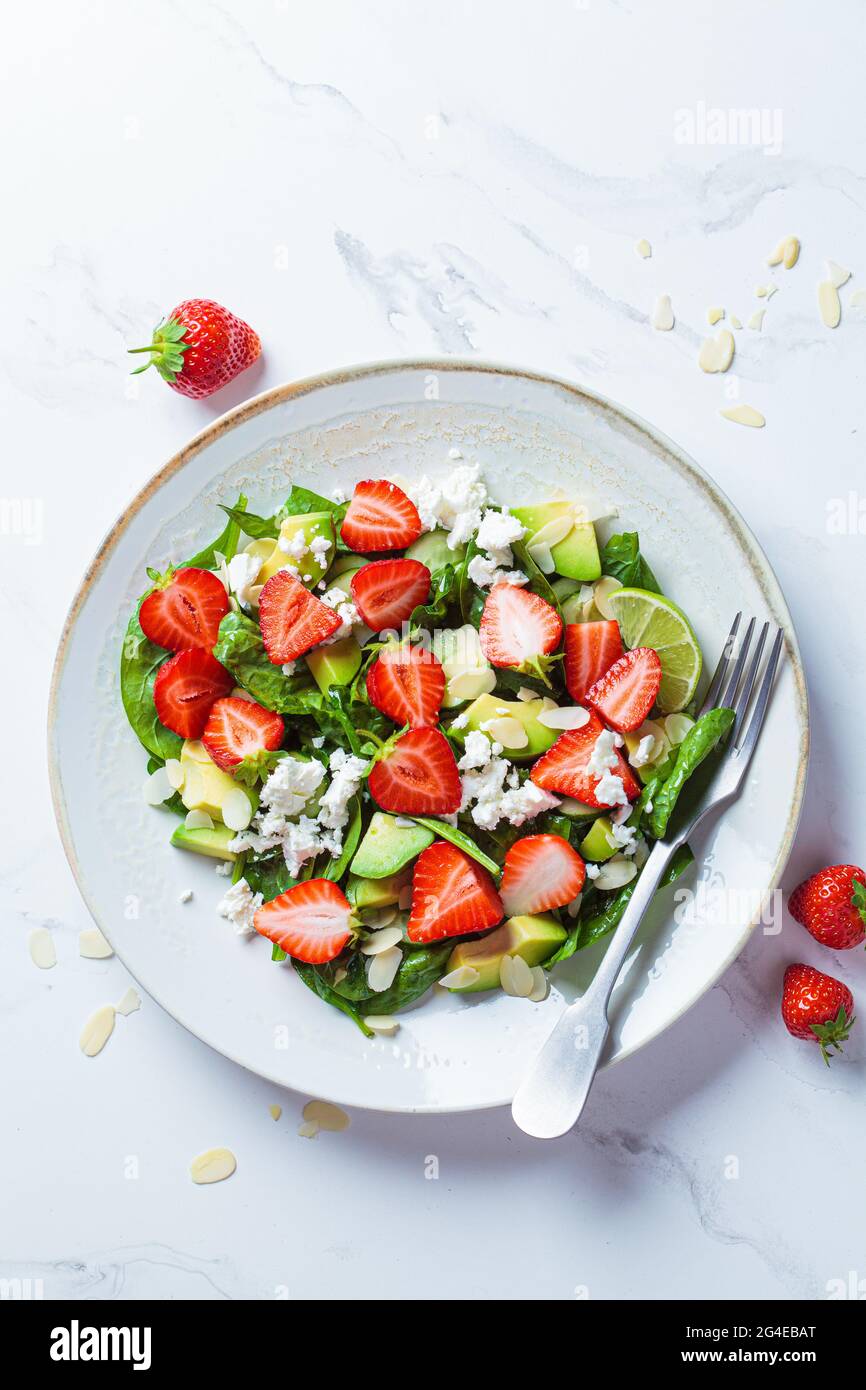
[429,739]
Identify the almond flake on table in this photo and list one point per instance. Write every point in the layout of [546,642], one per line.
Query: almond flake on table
[829,304]
[382,1023]
[744,415]
[713,315]
[663,314]
[275,1111]
[326,1116]
[734,321]
[214,1165]
[157,788]
[837,274]
[130,1002]
[716,354]
[93,945]
[786,253]
[757,320]
[97,1030]
[308,1129]
[541,985]
[643,248]
[41,946]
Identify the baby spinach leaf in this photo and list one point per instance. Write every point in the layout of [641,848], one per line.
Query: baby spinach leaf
[241,650]
[313,979]
[269,875]
[621,559]
[301,501]
[226,543]
[697,745]
[256,527]
[469,596]
[443,591]
[538,581]
[419,969]
[457,837]
[140,660]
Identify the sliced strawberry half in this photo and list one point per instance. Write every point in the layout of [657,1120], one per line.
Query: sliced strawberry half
[418,777]
[590,650]
[451,895]
[541,872]
[184,610]
[292,619]
[386,591]
[407,683]
[563,768]
[186,687]
[312,921]
[626,693]
[239,731]
[519,629]
[380,517]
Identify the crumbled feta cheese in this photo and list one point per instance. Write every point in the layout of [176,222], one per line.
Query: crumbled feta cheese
[644,751]
[626,837]
[455,504]
[346,773]
[185,896]
[294,545]
[478,751]
[484,571]
[496,533]
[288,668]
[223,869]
[338,496]
[319,546]
[318,741]
[602,758]
[289,786]
[494,786]
[239,905]
[243,570]
[610,790]
[592,870]
[346,612]
[454,454]
[525,802]
[460,722]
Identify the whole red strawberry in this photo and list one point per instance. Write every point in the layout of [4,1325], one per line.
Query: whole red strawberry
[200,347]
[817,1007]
[832,906]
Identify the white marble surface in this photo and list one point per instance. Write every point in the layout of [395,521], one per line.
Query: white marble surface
[374,181]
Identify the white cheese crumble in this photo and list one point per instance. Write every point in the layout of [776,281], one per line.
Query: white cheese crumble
[485,572]
[609,789]
[644,751]
[477,751]
[592,870]
[345,611]
[454,505]
[319,547]
[288,668]
[294,545]
[460,722]
[243,570]
[239,905]
[496,533]
[493,784]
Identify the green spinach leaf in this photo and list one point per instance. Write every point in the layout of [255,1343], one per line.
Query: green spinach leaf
[621,558]
[241,650]
[314,980]
[140,660]
[457,837]
[225,544]
[697,745]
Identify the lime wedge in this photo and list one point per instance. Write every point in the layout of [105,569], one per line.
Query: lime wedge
[649,620]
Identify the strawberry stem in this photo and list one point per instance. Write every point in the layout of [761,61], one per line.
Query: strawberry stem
[166,349]
[833,1033]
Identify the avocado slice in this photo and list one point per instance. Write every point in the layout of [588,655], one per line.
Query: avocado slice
[214,843]
[377,892]
[526,712]
[533,938]
[335,664]
[311,525]
[205,785]
[387,847]
[576,556]
[598,843]
[433,550]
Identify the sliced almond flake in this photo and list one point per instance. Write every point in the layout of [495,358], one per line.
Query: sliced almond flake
[564,717]
[771,290]
[97,1030]
[461,978]
[540,985]
[677,726]
[198,820]
[214,1165]
[506,975]
[382,969]
[663,314]
[554,531]
[308,1129]
[757,320]
[761,291]
[468,685]
[382,1023]
[522,982]
[713,315]
[326,1115]
[42,950]
[525,694]
[734,321]
[716,354]
[837,274]
[175,772]
[643,248]
[275,1111]
[381,941]
[508,731]
[829,304]
[542,556]
[404,902]
[615,873]
[157,788]
[574,906]
[93,945]
[130,1002]
[340,974]
[744,415]
[786,253]
[604,587]
[858,299]
[237,809]
[377,917]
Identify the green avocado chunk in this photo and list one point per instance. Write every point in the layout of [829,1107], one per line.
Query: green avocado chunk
[526,713]
[387,847]
[312,526]
[598,843]
[214,843]
[533,938]
[377,892]
[576,556]
[337,664]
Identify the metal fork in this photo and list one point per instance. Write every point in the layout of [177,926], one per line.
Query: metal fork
[551,1097]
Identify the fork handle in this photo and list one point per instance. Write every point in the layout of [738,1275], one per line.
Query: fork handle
[552,1095]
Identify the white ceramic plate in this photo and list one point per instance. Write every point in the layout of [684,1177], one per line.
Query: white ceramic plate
[531,434]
